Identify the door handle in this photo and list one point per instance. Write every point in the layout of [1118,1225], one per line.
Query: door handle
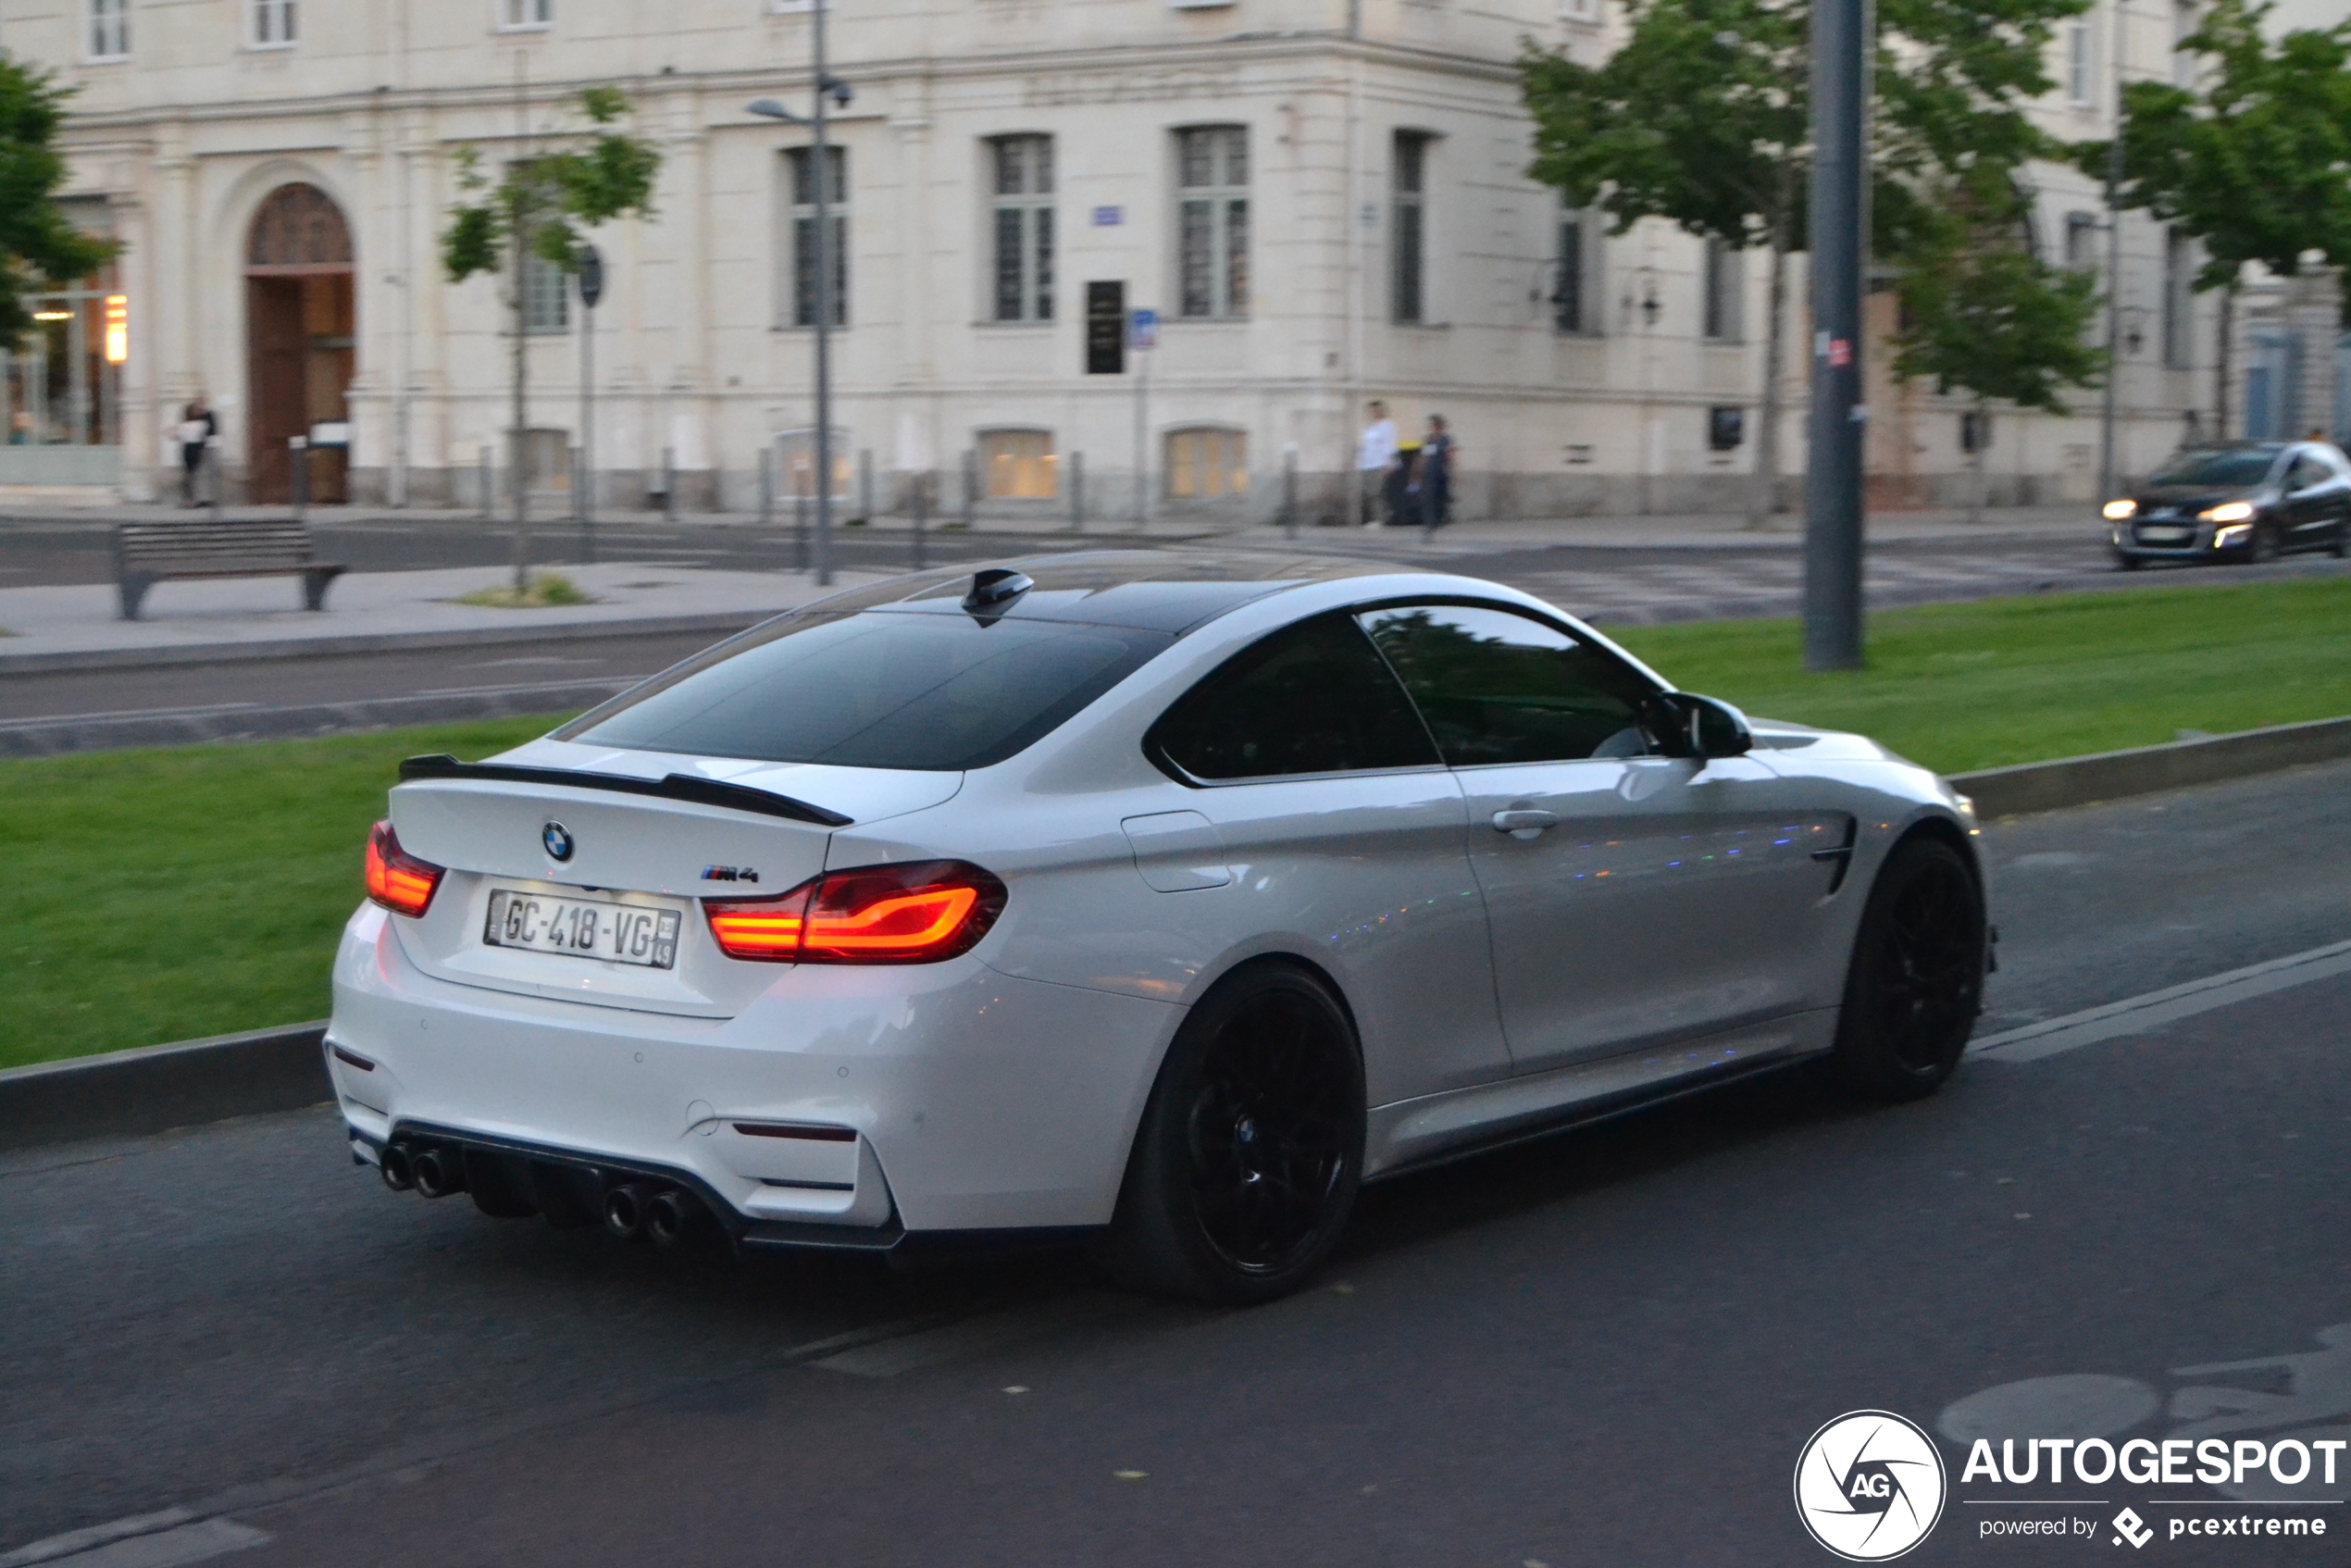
[1524,824]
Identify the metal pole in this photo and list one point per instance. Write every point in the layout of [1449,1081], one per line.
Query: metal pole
[2113,272]
[922,512]
[669,484]
[766,488]
[865,485]
[1289,490]
[1142,446]
[1077,492]
[799,519]
[583,468]
[489,485]
[298,474]
[824,316]
[971,488]
[1833,491]
[212,474]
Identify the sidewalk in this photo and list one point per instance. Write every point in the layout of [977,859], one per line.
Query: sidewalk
[80,628]
[1051,522]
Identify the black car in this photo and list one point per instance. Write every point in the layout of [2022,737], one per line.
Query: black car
[2244,501]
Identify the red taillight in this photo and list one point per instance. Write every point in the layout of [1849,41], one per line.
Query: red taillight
[397,879]
[915,914]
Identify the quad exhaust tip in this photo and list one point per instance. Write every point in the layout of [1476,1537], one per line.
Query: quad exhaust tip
[394,1166]
[625,1211]
[632,1210]
[437,1172]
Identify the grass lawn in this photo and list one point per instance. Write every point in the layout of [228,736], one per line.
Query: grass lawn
[156,896]
[1960,687]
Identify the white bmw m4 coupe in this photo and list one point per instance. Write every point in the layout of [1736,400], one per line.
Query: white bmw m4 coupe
[1152,900]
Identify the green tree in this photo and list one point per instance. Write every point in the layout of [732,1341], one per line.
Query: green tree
[1703,118]
[539,209]
[2255,163]
[39,246]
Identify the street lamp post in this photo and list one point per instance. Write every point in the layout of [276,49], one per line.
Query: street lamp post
[838,91]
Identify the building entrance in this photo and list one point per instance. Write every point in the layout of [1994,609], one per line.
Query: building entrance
[299,343]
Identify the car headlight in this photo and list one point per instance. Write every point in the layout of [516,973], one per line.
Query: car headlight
[2118,510]
[2228,512]
[2232,534]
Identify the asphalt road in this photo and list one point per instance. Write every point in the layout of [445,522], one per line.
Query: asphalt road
[1607,1348]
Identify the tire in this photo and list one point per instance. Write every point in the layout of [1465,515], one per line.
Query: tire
[2341,545]
[2128,563]
[2266,548]
[1917,981]
[1245,1164]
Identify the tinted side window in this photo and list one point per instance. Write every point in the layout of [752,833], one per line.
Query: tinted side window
[2309,470]
[1500,688]
[1311,698]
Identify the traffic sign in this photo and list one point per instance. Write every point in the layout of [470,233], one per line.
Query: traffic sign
[1142,328]
[591,276]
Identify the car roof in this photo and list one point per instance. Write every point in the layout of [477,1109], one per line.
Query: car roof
[1165,591]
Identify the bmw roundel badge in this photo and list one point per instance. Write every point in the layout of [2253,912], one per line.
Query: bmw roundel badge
[557,838]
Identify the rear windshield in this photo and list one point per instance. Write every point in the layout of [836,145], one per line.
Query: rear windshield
[2242,467]
[884,689]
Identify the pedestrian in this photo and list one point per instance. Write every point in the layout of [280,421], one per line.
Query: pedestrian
[197,427]
[1376,461]
[1436,474]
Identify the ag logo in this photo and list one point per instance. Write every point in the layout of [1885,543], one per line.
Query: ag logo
[1869,1486]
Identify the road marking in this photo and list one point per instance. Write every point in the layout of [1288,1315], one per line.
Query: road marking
[147,1540]
[2132,1015]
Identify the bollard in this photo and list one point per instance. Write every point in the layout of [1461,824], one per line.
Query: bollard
[971,487]
[489,489]
[1077,492]
[580,509]
[298,474]
[1289,490]
[922,512]
[865,486]
[212,474]
[669,484]
[766,488]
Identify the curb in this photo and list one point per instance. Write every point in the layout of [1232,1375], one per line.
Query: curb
[2142,770]
[152,1088]
[241,722]
[716,623]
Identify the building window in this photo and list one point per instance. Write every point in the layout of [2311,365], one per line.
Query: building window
[2184,62]
[516,16]
[1212,222]
[274,23]
[1723,280]
[1019,465]
[1023,169]
[2082,241]
[2179,300]
[2077,64]
[1203,463]
[109,29]
[1407,286]
[546,297]
[801,233]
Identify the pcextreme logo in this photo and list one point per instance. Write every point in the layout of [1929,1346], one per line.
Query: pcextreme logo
[1869,1486]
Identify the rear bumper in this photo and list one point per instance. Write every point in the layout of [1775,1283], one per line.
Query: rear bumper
[953,1098]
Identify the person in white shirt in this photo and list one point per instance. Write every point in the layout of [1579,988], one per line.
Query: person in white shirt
[1374,456]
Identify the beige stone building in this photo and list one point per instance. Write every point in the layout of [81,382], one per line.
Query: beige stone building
[1323,200]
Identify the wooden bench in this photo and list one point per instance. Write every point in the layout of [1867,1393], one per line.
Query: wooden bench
[145,554]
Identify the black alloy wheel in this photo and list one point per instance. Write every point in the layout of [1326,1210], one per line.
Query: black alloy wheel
[2265,544]
[1246,1165]
[1917,980]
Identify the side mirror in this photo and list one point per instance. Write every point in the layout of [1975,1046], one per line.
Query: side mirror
[1686,724]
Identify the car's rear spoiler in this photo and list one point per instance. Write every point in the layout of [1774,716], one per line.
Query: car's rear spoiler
[673,787]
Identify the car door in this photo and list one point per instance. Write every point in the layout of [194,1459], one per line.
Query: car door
[1339,834]
[1631,898]
[2316,498]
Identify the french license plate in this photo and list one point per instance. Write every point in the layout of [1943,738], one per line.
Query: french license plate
[618,933]
[2163,536]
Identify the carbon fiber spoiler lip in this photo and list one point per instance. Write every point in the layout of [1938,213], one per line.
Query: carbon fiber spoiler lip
[672,787]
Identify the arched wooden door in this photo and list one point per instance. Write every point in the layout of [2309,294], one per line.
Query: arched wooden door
[299,340]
